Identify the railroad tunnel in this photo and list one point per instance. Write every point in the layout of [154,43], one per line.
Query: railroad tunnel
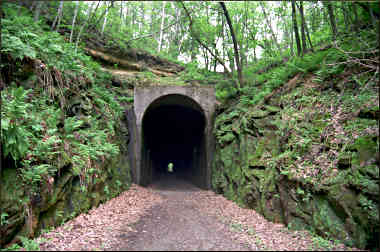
[173,131]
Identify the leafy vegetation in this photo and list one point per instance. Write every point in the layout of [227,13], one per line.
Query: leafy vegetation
[61,112]
[57,112]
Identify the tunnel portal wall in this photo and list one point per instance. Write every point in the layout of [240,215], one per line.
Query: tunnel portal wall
[144,97]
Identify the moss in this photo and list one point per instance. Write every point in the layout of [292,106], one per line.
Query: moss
[272,109]
[12,193]
[366,148]
[370,170]
[364,183]
[258,113]
[262,141]
[298,223]
[226,139]
[326,222]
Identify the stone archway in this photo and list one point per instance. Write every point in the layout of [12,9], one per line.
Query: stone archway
[172,123]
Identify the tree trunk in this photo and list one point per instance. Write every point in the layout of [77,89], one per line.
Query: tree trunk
[32,6]
[133,14]
[243,57]
[308,38]
[291,43]
[74,19]
[105,22]
[162,26]
[58,15]
[274,38]
[84,24]
[356,20]
[59,20]
[205,56]
[37,11]
[236,50]
[126,14]
[141,26]
[121,15]
[345,14]
[313,18]
[332,19]
[285,26]
[101,16]
[295,28]
[303,24]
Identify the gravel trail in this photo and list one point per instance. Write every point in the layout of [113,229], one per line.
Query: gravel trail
[172,214]
[176,224]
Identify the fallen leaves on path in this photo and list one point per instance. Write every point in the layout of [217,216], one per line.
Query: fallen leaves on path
[109,226]
[252,228]
[104,226]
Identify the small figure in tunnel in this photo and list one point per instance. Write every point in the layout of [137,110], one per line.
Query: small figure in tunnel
[170,167]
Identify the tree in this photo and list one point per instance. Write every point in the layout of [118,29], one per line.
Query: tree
[274,38]
[94,24]
[85,23]
[104,22]
[37,11]
[332,19]
[236,50]
[197,38]
[57,19]
[295,28]
[162,26]
[74,19]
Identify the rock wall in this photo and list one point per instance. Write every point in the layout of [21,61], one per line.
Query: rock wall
[63,199]
[299,162]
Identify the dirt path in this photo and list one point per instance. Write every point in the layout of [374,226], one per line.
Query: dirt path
[174,215]
[176,224]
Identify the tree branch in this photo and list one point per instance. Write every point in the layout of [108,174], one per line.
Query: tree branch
[194,35]
[153,33]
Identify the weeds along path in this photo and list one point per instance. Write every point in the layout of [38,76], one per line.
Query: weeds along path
[174,215]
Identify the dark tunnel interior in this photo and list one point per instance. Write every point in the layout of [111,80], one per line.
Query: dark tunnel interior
[173,132]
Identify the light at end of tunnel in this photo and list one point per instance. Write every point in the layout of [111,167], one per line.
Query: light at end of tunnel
[170,167]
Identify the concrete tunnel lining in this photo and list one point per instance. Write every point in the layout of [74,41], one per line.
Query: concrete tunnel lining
[173,131]
[191,100]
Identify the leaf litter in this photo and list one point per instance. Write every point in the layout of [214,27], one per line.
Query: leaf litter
[107,226]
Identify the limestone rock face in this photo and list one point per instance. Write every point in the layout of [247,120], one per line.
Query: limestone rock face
[302,167]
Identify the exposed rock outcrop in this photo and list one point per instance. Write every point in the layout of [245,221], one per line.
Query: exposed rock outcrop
[309,165]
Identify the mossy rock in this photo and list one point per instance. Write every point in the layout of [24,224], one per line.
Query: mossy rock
[255,114]
[370,170]
[297,223]
[364,183]
[12,193]
[272,109]
[326,222]
[366,148]
[226,139]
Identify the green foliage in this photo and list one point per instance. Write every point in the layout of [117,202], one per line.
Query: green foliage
[36,131]
[30,245]
[22,37]
[27,245]
[3,219]
[192,72]
[225,90]
[13,247]
[107,190]
[321,243]
[14,133]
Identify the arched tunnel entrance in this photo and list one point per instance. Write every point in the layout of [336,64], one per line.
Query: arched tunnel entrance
[173,131]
